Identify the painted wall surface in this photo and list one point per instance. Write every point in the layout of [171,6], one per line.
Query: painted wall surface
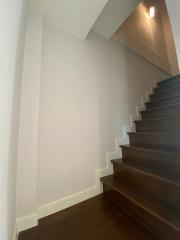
[145,35]
[173,7]
[88,90]
[12,32]
[29,117]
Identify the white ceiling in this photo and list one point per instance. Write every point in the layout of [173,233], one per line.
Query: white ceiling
[78,17]
[113,15]
[74,16]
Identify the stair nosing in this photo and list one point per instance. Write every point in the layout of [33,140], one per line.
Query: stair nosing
[140,205]
[151,150]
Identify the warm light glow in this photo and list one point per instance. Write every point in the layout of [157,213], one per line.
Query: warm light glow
[152,12]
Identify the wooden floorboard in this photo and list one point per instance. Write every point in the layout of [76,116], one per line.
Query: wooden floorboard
[93,219]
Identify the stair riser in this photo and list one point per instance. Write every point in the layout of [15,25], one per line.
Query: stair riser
[167,142]
[168,93]
[148,186]
[150,222]
[163,103]
[161,89]
[158,163]
[169,125]
[163,113]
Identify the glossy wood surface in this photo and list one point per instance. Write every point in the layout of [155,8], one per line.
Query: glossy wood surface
[146,181]
[95,219]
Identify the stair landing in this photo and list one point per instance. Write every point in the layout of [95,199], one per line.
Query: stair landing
[94,219]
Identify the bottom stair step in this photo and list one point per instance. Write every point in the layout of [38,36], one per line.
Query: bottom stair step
[158,219]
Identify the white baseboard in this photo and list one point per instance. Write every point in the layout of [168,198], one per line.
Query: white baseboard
[69,201]
[27,222]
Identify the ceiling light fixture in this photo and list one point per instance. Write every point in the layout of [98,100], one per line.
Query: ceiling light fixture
[152,12]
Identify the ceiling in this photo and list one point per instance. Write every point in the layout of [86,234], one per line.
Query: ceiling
[74,16]
[78,17]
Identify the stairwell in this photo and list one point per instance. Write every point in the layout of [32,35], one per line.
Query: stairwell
[146,181]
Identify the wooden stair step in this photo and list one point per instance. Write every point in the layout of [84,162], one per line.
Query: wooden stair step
[169,80]
[163,102]
[162,163]
[166,97]
[159,125]
[161,221]
[165,93]
[150,185]
[168,141]
[146,181]
[163,112]
[172,85]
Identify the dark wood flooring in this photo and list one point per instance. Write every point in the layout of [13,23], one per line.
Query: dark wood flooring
[93,219]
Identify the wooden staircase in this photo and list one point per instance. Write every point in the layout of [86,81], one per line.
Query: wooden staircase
[146,181]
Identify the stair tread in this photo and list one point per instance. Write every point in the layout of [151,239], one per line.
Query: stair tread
[170,84]
[153,207]
[163,179]
[157,119]
[150,133]
[158,94]
[163,98]
[161,108]
[151,150]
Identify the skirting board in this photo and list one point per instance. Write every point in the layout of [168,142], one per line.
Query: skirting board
[27,222]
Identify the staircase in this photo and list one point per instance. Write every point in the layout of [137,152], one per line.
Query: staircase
[146,181]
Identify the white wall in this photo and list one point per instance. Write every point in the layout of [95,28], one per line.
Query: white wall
[12,26]
[88,90]
[173,7]
[29,118]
